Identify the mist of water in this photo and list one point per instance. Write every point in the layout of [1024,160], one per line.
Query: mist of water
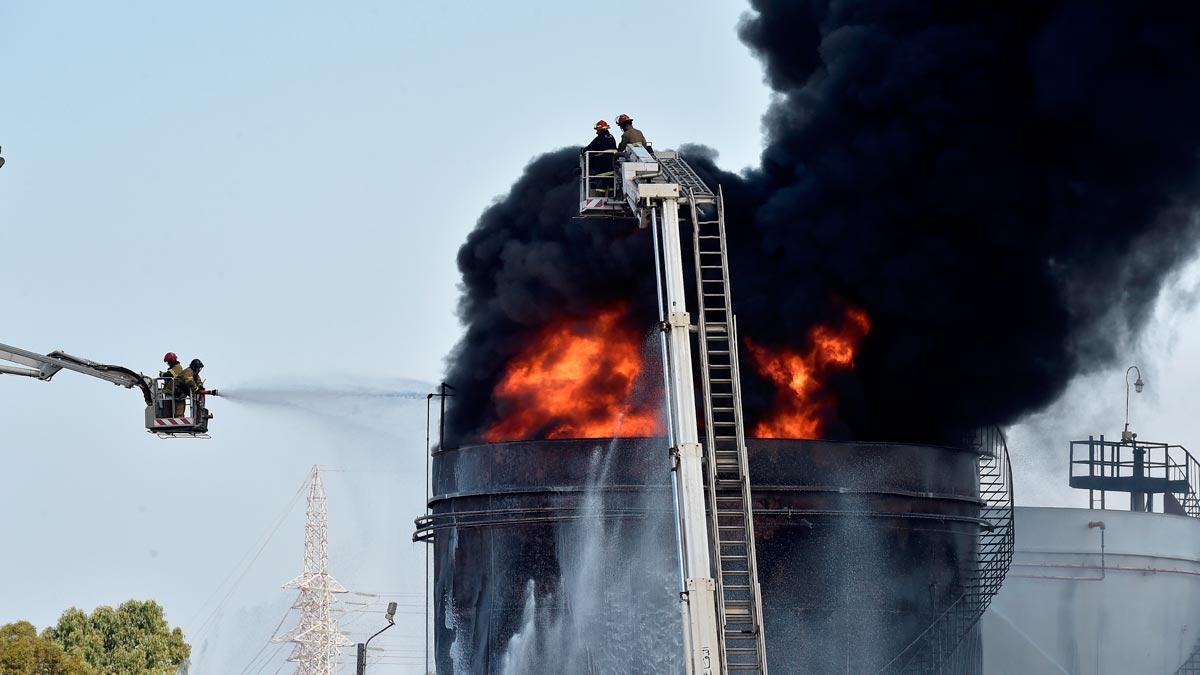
[352,404]
[615,609]
[288,395]
[1030,641]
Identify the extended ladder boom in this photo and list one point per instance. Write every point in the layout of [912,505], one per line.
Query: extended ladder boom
[722,602]
[46,366]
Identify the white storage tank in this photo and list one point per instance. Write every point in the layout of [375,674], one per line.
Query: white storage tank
[1097,592]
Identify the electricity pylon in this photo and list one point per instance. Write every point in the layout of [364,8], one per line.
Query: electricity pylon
[317,637]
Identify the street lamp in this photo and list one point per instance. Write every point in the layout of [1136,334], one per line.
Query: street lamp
[390,615]
[1127,435]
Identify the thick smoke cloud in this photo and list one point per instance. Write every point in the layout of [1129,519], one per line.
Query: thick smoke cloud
[1003,187]
[531,261]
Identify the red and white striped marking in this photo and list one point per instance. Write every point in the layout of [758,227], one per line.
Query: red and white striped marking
[172,422]
[594,202]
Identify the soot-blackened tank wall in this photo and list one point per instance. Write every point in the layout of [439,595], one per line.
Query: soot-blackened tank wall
[560,556]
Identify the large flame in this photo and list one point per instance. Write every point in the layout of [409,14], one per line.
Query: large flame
[800,402]
[576,380]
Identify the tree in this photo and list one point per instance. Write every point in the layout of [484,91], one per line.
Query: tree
[133,639]
[22,652]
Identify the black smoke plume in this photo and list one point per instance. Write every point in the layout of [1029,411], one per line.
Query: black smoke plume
[1004,188]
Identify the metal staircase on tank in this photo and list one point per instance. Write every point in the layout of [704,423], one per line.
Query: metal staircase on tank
[946,646]
[739,596]
[1192,665]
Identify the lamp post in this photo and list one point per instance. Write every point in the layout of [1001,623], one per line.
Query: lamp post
[1128,436]
[362,646]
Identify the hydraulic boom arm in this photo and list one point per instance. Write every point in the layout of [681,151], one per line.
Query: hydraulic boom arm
[44,367]
[721,599]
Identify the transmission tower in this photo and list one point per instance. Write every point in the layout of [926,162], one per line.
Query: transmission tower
[317,637]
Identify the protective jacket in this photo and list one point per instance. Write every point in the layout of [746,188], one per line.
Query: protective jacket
[631,135]
[604,141]
[188,382]
[601,163]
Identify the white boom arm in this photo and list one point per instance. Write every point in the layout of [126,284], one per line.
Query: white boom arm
[660,200]
[44,367]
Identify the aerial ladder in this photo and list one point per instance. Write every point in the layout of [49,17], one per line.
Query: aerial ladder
[167,415]
[721,600]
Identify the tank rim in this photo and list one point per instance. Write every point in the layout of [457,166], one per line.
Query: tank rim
[749,440]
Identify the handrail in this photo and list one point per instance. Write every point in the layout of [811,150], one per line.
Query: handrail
[1106,459]
[603,186]
[982,575]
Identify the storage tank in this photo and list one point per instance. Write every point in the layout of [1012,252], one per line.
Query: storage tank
[1098,592]
[560,555]
[1102,590]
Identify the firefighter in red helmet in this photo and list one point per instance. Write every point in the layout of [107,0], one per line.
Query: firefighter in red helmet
[601,164]
[604,139]
[628,133]
[172,374]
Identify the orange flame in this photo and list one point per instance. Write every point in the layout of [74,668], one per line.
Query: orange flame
[800,403]
[576,380]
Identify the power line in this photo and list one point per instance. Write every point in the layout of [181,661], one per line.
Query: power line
[268,643]
[265,540]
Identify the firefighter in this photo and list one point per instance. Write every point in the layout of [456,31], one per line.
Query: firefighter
[628,133]
[171,374]
[604,139]
[188,383]
[600,166]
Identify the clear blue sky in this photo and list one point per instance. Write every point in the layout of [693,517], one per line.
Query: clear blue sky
[280,188]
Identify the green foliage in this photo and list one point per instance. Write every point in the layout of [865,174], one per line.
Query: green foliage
[133,639]
[22,652]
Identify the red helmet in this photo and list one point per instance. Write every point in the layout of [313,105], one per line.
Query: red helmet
[623,118]
[170,357]
[600,125]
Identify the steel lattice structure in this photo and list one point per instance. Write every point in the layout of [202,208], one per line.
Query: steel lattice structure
[317,637]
